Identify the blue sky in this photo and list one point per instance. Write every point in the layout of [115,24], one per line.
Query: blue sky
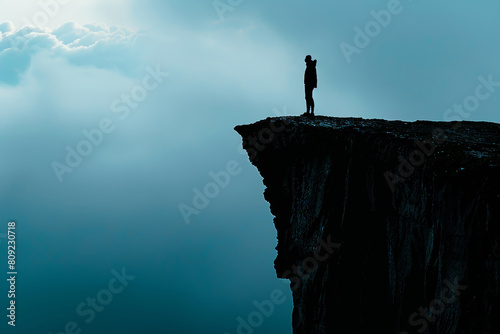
[164,83]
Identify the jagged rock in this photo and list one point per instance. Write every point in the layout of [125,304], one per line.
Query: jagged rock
[384,226]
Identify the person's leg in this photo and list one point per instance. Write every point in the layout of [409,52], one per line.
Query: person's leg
[308,105]
[312,102]
[309,99]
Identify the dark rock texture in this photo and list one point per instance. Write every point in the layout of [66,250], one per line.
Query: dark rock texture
[384,226]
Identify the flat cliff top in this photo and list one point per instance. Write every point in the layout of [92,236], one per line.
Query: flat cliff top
[481,139]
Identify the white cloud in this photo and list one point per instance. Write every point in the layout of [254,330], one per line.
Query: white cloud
[6,27]
[98,45]
[69,32]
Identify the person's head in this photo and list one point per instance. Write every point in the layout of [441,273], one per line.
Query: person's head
[308,58]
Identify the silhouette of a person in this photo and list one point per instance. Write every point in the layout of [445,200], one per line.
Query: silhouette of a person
[310,82]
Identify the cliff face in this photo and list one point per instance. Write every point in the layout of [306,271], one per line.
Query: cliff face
[384,226]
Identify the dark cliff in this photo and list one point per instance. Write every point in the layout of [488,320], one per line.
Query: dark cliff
[384,226]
